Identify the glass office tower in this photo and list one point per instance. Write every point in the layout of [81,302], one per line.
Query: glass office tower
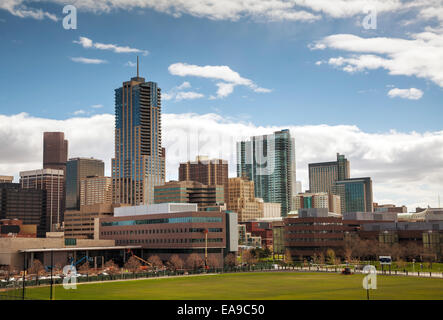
[139,162]
[269,161]
[323,175]
[355,194]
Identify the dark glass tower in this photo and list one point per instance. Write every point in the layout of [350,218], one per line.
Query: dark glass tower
[55,151]
[139,162]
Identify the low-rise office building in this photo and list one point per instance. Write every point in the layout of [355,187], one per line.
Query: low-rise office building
[182,231]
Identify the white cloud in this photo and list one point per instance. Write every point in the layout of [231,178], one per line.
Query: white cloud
[230,77]
[79,112]
[178,95]
[421,55]
[19,9]
[405,167]
[130,64]
[97,106]
[88,60]
[188,95]
[411,94]
[88,43]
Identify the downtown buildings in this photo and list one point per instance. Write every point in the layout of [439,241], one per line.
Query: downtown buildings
[269,161]
[334,178]
[139,162]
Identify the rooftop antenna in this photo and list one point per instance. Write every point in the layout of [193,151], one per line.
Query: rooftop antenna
[137,66]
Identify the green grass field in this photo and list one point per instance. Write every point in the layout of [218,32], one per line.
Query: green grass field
[250,286]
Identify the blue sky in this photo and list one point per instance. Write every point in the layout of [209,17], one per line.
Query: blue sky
[232,69]
[274,54]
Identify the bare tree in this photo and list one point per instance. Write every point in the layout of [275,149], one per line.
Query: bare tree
[111,267]
[230,260]
[176,262]
[194,261]
[84,268]
[213,262]
[36,268]
[132,264]
[321,258]
[155,262]
[288,256]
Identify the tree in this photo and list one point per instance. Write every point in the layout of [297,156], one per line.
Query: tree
[321,258]
[348,254]
[84,268]
[230,260]
[36,268]
[176,262]
[155,262]
[111,267]
[194,261]
[330,253]
[132,264]
[213,262]
[248,258]
[288,256]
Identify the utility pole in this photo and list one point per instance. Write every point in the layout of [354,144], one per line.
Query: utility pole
[24,277]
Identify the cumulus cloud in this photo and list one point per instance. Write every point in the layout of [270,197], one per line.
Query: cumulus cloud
[421,55]
[88,60]
[405,166]
[229,77]
[411,94]
[88,43]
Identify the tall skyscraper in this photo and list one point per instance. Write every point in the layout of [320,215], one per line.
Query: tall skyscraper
[139,162]
[269,161]
[55,151]
[323,175]
[53,182]
[76,170]
[206,171]
[355,194]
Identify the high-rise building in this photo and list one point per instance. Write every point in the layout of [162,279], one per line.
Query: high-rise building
[190,192]
[76,170]
[206,171]
[52,182]
[27,205]
[269,161]
[139,163]
[355,194]
[317,200]
[55,151]
[95,190]
[6,179]
[323,175]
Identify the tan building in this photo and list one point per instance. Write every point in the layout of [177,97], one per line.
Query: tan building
[79,224]
[271,210]
[12,250]
[189,192]
[206,171]
[317,200]
[95,190]
[241,199]
[6,179]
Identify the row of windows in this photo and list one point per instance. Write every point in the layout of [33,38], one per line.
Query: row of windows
[163,220]
[163,241]
[157,231]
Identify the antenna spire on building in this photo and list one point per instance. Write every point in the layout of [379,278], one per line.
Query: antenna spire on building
[137,66]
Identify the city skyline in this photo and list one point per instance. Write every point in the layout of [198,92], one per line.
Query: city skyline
[236,82]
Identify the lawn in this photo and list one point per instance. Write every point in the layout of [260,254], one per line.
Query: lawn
[250,286]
